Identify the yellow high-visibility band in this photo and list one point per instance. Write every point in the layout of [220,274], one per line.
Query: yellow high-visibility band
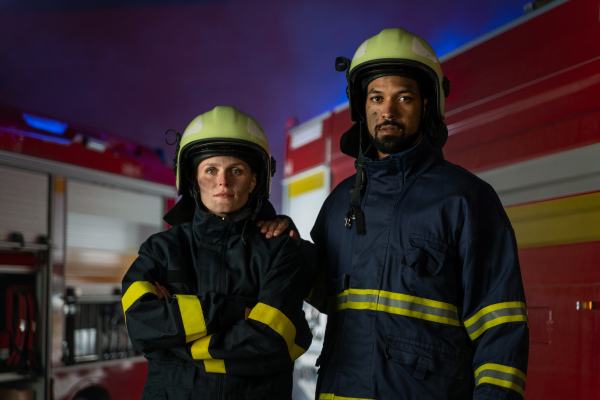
[331,396]
[503,383]
[280,323]
[200,352]
[200,348]
[494,315]
[191,316]
[397,303]
[215,366]
[500,368]
[501,375]
[135,291]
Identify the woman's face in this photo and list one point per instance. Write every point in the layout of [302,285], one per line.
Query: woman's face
[225,184]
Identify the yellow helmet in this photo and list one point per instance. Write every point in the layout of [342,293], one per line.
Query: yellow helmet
[396,51]
[223,131]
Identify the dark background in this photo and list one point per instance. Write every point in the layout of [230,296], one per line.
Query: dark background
[135,68]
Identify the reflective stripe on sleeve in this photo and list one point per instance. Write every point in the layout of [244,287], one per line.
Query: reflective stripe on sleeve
[501,375]
[191,316]
[396,303]
[215,366]
[199,351]
[280,323]
[331,396]
[135,291]
[493,315]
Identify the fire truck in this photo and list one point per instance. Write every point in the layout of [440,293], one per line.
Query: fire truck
[524,115]
[75,205]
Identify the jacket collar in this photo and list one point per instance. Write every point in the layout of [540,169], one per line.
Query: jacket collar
[412,162]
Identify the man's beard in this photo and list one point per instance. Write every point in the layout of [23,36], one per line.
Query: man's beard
[392,144]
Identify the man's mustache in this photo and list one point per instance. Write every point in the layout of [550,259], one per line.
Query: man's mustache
[392,123]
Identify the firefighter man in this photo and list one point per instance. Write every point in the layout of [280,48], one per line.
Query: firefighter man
[420,277]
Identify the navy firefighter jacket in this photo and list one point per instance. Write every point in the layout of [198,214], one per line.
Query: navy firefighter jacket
[198,343]
[429,303]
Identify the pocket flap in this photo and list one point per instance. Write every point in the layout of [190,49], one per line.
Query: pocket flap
[422,358]
[427,255]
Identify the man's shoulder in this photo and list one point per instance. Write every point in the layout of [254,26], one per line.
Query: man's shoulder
[461,177]
[344,186]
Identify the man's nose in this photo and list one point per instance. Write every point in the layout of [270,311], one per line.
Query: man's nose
[390,111]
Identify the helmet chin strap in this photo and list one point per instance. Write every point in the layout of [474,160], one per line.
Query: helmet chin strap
[354,212]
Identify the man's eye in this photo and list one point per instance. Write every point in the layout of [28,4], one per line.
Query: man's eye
[210,171]
[236,171]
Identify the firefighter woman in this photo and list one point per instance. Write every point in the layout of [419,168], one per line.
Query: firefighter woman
[216,307]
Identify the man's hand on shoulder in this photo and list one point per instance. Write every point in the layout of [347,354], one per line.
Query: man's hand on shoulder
[276,227]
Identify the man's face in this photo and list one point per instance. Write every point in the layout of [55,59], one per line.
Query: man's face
[394,113]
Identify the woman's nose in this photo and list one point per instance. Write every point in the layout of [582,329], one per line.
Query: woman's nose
[223,181]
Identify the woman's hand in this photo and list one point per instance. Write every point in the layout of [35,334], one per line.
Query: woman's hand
[161,291]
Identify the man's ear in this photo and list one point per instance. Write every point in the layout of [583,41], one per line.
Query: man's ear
[424,107]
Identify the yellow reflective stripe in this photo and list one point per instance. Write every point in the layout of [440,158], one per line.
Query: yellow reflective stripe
[494,315]
[296,352]
[501,375]
[280,323]
[199,351]
[200,348]
[396,303]
[331,396]
[191,316]
[215,366]
[135,291]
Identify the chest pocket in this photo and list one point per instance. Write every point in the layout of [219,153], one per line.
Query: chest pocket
[426,256]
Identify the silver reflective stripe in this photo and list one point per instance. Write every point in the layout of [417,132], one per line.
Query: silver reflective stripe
[501,375]
[396,303]
[495,314]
